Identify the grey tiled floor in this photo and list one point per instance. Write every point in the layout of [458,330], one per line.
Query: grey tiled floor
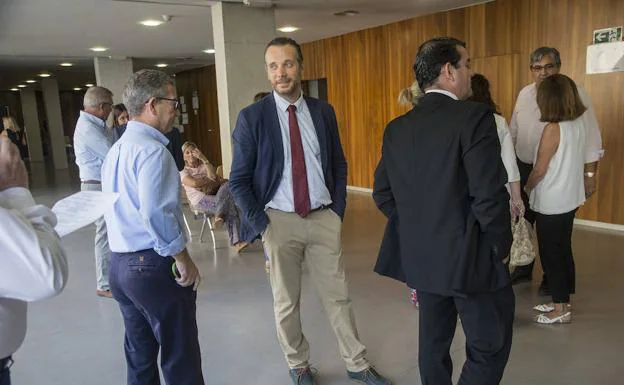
[76,338]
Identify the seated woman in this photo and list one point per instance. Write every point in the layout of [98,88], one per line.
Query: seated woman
[210,193]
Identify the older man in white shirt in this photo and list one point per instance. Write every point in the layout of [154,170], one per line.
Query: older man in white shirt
[33,264]
[526,130]
[91,144]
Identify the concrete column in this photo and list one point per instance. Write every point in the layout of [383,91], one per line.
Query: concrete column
[240,37]
[113,74]
[31,124]
[52,101]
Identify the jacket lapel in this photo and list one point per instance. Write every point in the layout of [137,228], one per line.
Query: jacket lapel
[271,122]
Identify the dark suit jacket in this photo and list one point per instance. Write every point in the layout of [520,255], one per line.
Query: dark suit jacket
[175,147]
[258,161]
[441,173]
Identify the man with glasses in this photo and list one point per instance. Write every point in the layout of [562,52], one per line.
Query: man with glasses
[91,144]
[526,131]
[152,276]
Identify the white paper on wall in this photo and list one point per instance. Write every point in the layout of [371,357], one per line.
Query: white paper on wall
[605,58]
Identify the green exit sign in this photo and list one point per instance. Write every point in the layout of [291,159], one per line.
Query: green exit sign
[608,35]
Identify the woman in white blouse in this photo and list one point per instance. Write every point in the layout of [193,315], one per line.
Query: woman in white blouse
[481,93]
[556,189]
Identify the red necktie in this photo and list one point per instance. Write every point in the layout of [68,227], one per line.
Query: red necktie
[301,194]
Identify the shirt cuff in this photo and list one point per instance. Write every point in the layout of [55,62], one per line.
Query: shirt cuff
[16,198]
[174,247]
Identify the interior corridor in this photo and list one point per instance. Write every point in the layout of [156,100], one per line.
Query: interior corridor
[77,337]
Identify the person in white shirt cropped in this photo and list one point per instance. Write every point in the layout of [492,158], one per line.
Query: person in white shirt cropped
[556,189]
[91,144]
[33,263]
[526,131]
[481,93]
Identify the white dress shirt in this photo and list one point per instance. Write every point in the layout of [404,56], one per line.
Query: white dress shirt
[443,92]
[33,264]
[319,194]
[526,128]
[91,144]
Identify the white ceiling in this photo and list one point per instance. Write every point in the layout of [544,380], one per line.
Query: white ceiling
[37,35]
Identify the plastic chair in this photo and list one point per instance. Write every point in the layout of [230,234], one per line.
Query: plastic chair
[205,217]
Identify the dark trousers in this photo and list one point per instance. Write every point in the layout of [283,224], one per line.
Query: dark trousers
[5,371]
[554,235]
[487,321]
[158,315]
[525,169]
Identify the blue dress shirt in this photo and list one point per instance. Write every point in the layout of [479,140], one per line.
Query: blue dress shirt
[148,214]
[91,144]
[319,194]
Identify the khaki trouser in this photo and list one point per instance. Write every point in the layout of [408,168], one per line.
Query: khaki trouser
[290,241]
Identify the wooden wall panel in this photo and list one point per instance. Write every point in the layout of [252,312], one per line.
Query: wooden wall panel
[71,104]
[500,71]
[203,126]
[365,71]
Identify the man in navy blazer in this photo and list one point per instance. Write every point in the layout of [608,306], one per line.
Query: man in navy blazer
[289,179]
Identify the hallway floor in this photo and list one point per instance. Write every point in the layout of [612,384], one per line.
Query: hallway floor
[77,337]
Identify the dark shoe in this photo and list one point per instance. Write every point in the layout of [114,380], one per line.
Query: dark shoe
[369,376]
[520,276]
[544,290]
[302,376]
[104,293]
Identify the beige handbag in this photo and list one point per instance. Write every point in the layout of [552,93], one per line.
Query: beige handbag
[522,251]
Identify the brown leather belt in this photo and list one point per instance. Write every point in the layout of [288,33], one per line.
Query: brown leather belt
[91,182]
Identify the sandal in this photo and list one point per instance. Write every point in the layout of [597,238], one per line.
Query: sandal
[564,318]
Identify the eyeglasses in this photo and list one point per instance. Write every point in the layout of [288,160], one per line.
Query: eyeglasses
[176,103]
[538,68]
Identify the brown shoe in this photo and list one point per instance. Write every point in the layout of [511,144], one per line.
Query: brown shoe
[104,293]
[240,246]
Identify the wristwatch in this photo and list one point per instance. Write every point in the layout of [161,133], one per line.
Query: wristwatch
[590,174]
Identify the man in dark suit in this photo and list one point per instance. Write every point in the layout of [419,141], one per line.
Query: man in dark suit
[441,183]
[289,178]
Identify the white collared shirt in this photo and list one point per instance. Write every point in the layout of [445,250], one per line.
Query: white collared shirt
[33,263]
[526,127]
[319,194]
[91,144]
[443,92]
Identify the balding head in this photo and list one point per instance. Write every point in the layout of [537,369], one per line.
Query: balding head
[98,101]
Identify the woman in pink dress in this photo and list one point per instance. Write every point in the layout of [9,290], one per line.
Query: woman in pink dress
[209,192]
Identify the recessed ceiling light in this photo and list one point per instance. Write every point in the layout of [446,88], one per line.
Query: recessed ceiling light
[162,65]
[349,12]
[66,64]
[14,89]
[30,81]
[44,75]
[98,49]
[21,85]
[77,88]
[151,22]
[288,29]
[209,50]
[88,85]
